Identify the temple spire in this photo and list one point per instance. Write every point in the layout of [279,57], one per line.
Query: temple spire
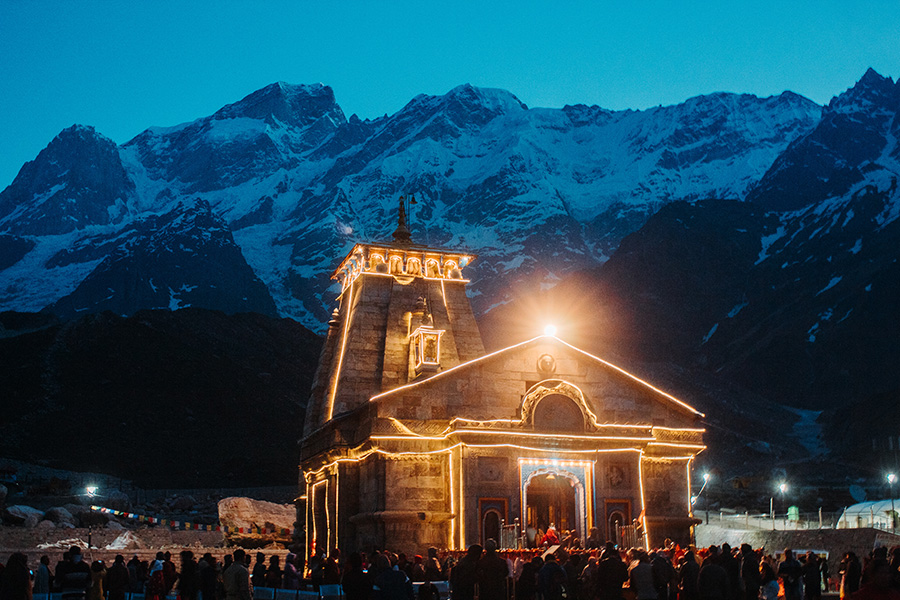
[401,234]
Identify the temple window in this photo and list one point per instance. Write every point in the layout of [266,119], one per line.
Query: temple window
[432,268]
[452,270]
[396,265]
[377,264]
[426,343]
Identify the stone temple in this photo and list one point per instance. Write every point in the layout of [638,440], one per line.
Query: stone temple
[415,437]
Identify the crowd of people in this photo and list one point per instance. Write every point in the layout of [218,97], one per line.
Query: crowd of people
[603,573]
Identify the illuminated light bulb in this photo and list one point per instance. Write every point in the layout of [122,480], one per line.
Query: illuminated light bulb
[550,330]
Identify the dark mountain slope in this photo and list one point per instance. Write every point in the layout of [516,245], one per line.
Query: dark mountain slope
[191,398]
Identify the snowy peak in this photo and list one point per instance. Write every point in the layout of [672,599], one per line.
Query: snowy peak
[185,257]
[493,100]
[871,92]
[76,181]
[289,104]
[465,105]
[536,192]
[852,140]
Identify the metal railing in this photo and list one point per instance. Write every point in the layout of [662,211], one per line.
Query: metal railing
[777,522]
[630,536]
[511,536]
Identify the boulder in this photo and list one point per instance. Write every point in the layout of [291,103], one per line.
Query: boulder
[3,494]
[60,515]
[115,526]
[118,500]
[183,503]
[46,524]
[93,519]
[23,515]
[126,541]
[247,513]
[76,510]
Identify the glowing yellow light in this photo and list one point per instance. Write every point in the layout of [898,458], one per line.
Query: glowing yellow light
[556,463]
[313,510]
[690,492]
[426,343]
[337,373]
[443,374]
[677,445]
[530,434]
[550,330]
[637,379]
[337,500]
[480,359]
[452,544]
[310,475]
[462,503]
[643,505]
[306,517]
[681,429]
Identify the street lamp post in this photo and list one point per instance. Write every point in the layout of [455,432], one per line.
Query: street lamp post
[697,497]
[772,511]
[891,479]
[91,490]
[782,487]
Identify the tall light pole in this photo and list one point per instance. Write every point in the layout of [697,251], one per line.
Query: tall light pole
[91,492]
[891,479]
[706,477]
[782,487]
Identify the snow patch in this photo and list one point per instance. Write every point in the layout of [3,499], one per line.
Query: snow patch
[834,281]
[710,334]
[737,308]
[767,242]
[808,432]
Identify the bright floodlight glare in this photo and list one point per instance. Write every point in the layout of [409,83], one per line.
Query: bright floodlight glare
[706,477]
[782,488]
[550,330]
[91,490]
[693,500]
[891,478]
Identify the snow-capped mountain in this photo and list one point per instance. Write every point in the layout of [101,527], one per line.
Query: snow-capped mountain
[185,257]
[788,299]
[76,181]
[792,294]
[536,192]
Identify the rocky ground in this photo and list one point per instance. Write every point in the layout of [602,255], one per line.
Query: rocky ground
[49,524]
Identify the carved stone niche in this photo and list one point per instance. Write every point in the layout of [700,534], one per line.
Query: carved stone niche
[492,468]
[556,412]
[617,475]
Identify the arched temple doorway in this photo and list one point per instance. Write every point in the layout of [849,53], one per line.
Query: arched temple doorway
[490,526]
[551,499]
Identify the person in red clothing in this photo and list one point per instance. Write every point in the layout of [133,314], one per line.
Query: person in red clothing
[551,538]
[878,583]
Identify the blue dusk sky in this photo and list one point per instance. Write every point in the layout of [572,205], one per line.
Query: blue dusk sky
[124,66]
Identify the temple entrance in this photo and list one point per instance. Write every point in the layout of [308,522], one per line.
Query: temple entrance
[551,500]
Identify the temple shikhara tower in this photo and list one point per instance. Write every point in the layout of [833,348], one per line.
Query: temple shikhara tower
[415,437]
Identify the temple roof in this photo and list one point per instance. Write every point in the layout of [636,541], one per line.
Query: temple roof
[499,355]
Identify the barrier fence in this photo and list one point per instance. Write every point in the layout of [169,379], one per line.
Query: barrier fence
[326,592]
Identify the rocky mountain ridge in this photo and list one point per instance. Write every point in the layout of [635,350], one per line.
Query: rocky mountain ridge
[744,250]
[537,192]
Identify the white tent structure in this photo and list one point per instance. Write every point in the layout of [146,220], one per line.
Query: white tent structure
[876,514]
